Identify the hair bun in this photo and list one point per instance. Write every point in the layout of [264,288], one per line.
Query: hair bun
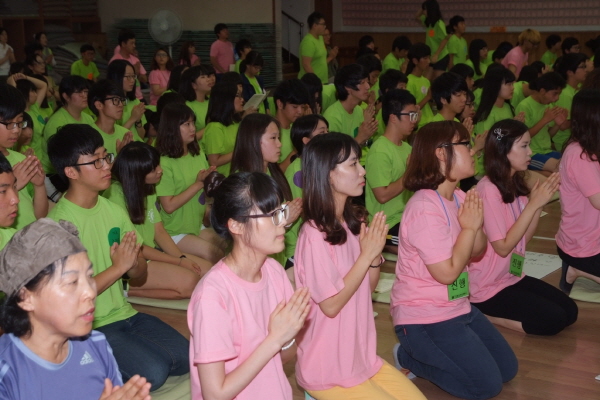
[212,183]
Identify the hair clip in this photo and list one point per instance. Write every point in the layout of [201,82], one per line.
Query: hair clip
[498,133]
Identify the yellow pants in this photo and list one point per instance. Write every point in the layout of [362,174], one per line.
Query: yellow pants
[387,384]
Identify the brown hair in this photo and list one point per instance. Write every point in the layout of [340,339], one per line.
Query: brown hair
[423,170]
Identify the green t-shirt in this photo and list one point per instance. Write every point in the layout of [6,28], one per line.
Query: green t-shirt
[496,114]
[341,121]
[89,71]
[328,95]
[534,111]
[386,163]
[391,62]
[293,174]
[549,58]
[115,194]
[566,101]
[127,114]
[220,139]
[482,68]
[99,227]
[477,94]
[518,95]
[200,108]
[178,175]
[380,126]
[60,118]
[418,86]
[434,37]
[458,47]
[5,235]
[37,140]
[439,117]
[286,143]
[237,65]
[26,212]
[258,90]
[315,49]
[110,140]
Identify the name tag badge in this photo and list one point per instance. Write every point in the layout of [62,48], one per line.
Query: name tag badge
[516,264]
[459,288]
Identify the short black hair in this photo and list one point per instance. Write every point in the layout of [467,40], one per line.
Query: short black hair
[100,91]
[125,35]
[314,86]
[394,101]
[69,143]
[551,40]
[445,85]
[291,91]
[12,102]
[370,63]
[548,81]
[568,43]
[241,45]
[86,47]
[219,27]
[365,40]
[349,76]
[71,84]
[453,22]
[190,76]
[401,43]
[4,164]
[416,51]
[569,62]
[302,128]
[463,70]
[314,18]
[390,80]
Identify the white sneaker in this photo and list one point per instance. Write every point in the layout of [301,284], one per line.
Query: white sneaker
[399,367]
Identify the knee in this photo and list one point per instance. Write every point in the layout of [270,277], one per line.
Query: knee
[186,286]
[156,373]
[547,323]
[487,386]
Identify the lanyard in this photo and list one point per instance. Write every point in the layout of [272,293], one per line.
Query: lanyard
[515,215]
[446,211]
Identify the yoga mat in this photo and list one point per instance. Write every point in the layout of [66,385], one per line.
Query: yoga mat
[585,290]
[175,388]
[159,303]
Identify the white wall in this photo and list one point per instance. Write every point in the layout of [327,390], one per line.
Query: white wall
[196,15]
[300,10]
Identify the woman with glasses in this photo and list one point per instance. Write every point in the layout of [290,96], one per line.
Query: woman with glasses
[442,338]
[171,273]
[257,149]
[337,260]
[106,101]
[161,67]
[181,190]
[122,73]
[244,314]
[517,58]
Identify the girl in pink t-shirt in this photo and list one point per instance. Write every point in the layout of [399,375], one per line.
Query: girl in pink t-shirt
[338,259]
[578,237]
[442,338]
[161,67]
[187,55]
[244,315]
[498,286]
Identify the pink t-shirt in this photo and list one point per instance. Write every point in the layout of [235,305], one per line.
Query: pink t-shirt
[160,78]
[428,232]
[340,351]
[490,274]
[193,59]
[228,318]
[579,231]
[517,58]
[223,51]
[133,60]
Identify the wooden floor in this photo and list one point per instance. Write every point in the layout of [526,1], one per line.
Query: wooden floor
[561,367]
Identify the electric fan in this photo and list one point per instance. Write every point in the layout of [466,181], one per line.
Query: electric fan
[165,27]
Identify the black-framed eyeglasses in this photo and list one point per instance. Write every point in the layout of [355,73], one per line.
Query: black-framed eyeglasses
[13,125]
[117,101]
[465,143]
[99,162]
[278,216]
[413,115]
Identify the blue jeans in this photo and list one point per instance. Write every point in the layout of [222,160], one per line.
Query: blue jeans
[146,346]
[465,356]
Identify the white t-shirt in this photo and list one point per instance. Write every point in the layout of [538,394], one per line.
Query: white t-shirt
[4,68]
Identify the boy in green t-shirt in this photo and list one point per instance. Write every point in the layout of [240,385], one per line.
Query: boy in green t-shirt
[372,66]
[106,100]
[539,114]
[86,67]
[396,59]
[419,57]
[9,200]
[313,54]
[449,91]
[553,43]
[387,159]
[457,45]
[390,79]
[291,100]
[141,343]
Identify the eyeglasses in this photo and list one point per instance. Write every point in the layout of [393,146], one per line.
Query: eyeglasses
[130,77]
[413,115]
[278,216]
[13,125]
[99,162]
[117,101]
[465,143]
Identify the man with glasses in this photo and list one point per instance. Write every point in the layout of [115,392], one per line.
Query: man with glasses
[106,100]
[517,58]
[387,160]
[141,344]
[313,53]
